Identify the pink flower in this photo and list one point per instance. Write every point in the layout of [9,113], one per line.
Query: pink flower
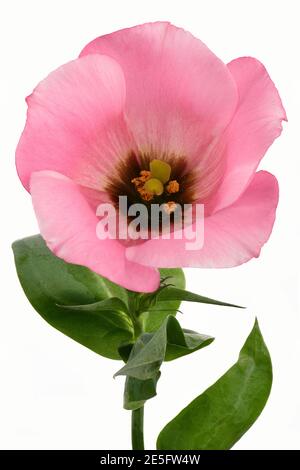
[151,92]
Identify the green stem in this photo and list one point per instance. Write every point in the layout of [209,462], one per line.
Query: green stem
[138,327]
[137,429]
[134,314]
[137,416]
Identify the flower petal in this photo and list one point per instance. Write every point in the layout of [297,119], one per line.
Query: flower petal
[179,95]
[74,123]
[231,237]
[257,122]
[68,225]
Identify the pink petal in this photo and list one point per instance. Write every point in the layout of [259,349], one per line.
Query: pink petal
[180,96]
[68,225]
[231,237]
[257,122]
[74,123]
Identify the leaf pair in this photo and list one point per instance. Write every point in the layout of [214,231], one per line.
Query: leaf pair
[87,307]
[81,304]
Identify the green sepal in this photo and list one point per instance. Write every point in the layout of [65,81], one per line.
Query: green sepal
[174,293]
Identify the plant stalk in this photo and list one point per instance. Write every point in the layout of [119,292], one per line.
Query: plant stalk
[137,429]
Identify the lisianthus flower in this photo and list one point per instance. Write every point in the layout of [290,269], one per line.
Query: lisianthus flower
[150,112]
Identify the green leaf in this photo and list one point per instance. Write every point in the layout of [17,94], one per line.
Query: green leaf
[147,355]
[137,391]
[168,342]
[113,304]
[147,362]
[218,418]
[162,309]
[189,343]
[173,294]
[49,283]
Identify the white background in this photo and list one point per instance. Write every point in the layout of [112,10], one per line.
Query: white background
[55,394]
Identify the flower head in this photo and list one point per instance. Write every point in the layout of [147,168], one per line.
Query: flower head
[152,114]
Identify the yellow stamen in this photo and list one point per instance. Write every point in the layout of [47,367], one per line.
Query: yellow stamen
[137,182]
[172,187]
[170,207]
[145,175]
[160,170]
[144,194]
[140,180]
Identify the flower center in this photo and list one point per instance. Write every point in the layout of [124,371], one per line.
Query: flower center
[156,181]
[150,178]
